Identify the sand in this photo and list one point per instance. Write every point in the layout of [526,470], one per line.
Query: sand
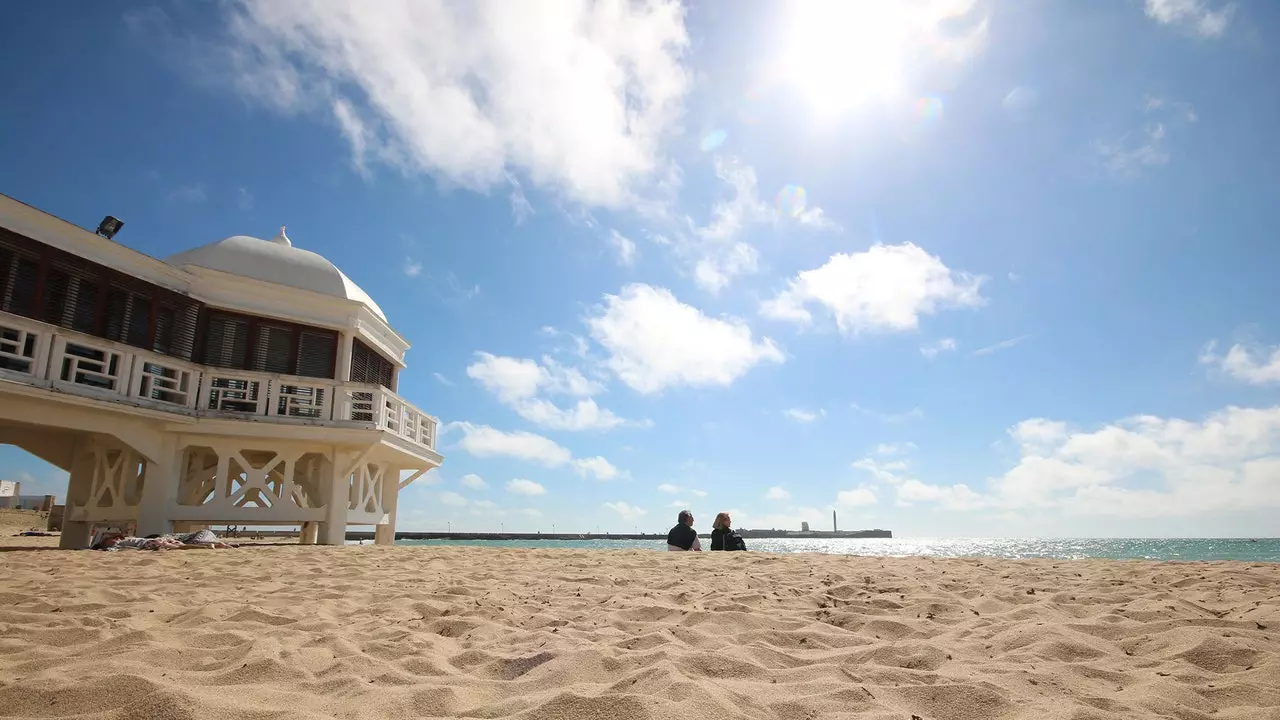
[368,632]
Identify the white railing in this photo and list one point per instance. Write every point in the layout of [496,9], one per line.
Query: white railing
[24,348]
[233,391]
[385,410]
[35,353]
[300,398]
[90,364]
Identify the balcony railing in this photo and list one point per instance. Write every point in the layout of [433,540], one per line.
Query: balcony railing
[35,353]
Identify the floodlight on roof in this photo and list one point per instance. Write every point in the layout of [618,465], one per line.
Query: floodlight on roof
[110,226]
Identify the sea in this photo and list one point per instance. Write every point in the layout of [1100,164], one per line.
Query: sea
[1176,549]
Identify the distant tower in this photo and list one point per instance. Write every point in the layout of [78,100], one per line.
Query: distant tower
[834,527]
[804,527]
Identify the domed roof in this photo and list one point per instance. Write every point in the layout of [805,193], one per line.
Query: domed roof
[276,261]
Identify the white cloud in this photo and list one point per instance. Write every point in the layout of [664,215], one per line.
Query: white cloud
[412,267]
[520,486]
[655,342]
[188,194]
[890,418]
[886,472]
[474,481]
[678,504]
[452,499]
[1146,466]
[900,448]
[715,271]
[582,415]
[517,382]
[575,96]
[442,379]
[1193,15]
[521,209]
[484,441]
[675,490]
[244,199]
[887,287]
[745,208]
[951,497]
[908,490]
[777,493]
[815,217]
[1256,366]
[1002,345]
[628,512]
[801,415]
[1127,157]
[1037,434]
[624,246]
[944,345]
[1133,153]
[530,512]
[596,466]
[716,251]
[858,497]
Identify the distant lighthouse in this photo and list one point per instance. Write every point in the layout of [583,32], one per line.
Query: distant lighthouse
[834,527]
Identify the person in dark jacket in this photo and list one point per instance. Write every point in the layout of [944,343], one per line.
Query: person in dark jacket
[722,535]
[683,537]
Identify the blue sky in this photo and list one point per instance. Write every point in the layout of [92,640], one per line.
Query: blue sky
[952,268]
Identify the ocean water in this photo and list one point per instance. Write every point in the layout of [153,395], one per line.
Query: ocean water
[1181,549]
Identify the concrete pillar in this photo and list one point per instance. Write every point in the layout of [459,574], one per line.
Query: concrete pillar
[308,533]
[333,531]
[160,490]
[386,534]
[76,535]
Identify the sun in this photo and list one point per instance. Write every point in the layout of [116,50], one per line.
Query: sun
[844,53]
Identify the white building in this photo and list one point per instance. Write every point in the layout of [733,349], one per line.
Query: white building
[245,382]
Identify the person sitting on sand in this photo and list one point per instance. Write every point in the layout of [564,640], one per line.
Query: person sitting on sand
[683,537]
[722,535]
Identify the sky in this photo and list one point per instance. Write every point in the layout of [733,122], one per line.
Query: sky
[947,267]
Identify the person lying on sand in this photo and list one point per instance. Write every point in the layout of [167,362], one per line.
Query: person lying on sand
[683,537]
[722,535]
[201,539]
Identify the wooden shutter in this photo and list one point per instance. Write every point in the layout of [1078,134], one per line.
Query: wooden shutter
[273,349]
[176,320]
[226,341]
[367,366]
[317,351]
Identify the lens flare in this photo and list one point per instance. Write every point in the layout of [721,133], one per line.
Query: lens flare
[927,109]
[713,140]
[791,200]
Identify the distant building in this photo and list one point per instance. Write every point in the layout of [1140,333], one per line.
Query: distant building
[804,527]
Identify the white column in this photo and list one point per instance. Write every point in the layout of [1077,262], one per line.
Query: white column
[76,535]
[160,490]
[344,356]
[333,531]
[386,534]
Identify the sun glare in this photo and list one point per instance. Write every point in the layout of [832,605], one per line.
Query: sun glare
[843,53]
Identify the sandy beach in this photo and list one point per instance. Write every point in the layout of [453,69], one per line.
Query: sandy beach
[366,632]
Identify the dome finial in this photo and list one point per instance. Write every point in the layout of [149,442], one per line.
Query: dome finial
[282,239]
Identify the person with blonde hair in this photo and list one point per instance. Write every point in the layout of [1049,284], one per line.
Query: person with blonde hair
[722,535]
